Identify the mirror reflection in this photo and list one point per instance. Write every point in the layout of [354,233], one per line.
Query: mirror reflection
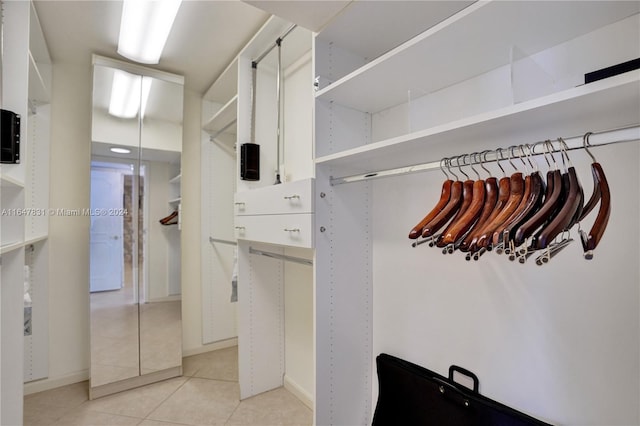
[135,225]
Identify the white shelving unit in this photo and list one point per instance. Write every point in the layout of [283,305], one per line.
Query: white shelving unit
[480,76]
[218,171]
[275,340]
[24,192]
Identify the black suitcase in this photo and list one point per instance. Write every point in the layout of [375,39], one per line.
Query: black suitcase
[412,395]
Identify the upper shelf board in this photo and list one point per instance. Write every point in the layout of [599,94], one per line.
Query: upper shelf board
[606,104]
[226,85]
[223,120]
[383,25]
[476,40]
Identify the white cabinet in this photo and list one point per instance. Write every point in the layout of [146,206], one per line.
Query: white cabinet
[26,83]
[476,76]
[274,222]
[280,214]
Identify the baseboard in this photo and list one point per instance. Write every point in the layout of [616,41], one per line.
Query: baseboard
[55,382]
[134,382]
[305,397]
[222,344]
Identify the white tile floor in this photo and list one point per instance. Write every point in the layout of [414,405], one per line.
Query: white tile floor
[207,394]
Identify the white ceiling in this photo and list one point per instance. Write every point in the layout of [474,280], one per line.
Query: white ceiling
[206,36]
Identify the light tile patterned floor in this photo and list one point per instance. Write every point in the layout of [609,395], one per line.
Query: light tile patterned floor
[207,394]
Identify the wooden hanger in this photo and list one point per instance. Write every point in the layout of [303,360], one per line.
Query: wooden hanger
[504,190]
[600,193]
[447,212]
[567,214]
[466,217]
[490,200]
[547,209]
[531,202]
[516,192]
[445,195]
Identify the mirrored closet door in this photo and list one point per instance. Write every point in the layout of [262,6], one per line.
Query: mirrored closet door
[135,289]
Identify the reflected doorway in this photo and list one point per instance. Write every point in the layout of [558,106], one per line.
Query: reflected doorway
[114,269]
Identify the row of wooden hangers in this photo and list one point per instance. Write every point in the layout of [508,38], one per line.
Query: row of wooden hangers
[517,215]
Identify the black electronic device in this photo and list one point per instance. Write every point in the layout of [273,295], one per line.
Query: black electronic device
[631,65]
[10,137]
[250,161]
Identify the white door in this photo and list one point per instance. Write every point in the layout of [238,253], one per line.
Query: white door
[107,251]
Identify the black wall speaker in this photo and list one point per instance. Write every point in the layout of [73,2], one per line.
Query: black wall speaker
[250,161]
[10,137]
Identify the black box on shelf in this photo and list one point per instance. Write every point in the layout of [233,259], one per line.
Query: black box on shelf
[10,137]
[250,161]
[631,65]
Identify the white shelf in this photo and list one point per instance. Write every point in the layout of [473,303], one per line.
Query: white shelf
[9,182]
[9,247]
[382,25]
[223,120]
[225,86]
[605,104]
[428,62]
[34,240]
[176,179]
[175,200]
[38,90]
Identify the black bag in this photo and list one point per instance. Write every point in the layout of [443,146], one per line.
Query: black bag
[412,395]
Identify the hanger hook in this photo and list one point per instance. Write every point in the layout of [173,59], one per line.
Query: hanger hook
[460,168]
[499,150]
[473,160]
[522,155]
[448,164]
[533,164]
[565,149]
[550,149]
[511,151]
[443,161]
[585,143]
[544,153]
[483,159]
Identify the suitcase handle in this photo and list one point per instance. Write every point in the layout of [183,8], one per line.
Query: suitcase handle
[464,372]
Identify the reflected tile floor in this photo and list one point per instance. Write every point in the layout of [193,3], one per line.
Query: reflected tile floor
[207,394]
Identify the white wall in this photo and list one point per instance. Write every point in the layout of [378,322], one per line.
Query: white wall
[69,236]
[560,342]
[191,288]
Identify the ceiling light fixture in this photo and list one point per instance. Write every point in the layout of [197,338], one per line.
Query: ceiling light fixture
[118,150]
[145,27]
[129,93]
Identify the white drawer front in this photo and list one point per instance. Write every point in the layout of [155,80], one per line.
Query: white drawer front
[290,197]
[289,230]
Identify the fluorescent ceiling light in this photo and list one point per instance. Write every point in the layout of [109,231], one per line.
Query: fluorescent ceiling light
[144,28]
[118,150]
[129,94]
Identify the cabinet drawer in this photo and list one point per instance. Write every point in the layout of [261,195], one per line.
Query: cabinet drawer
[290,197]
[286,229]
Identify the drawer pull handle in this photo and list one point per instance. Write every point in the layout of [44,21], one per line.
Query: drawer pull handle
[291,197]
[292,230]
[239,204]
[240,228]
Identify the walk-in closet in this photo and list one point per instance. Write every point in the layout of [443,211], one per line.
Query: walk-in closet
[344,212]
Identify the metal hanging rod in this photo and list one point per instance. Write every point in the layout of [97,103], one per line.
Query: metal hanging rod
[218,240]
[281,256]
[260,57]
[602,138]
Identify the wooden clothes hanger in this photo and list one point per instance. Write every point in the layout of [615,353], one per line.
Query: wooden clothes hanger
[445,195]
[600,193]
